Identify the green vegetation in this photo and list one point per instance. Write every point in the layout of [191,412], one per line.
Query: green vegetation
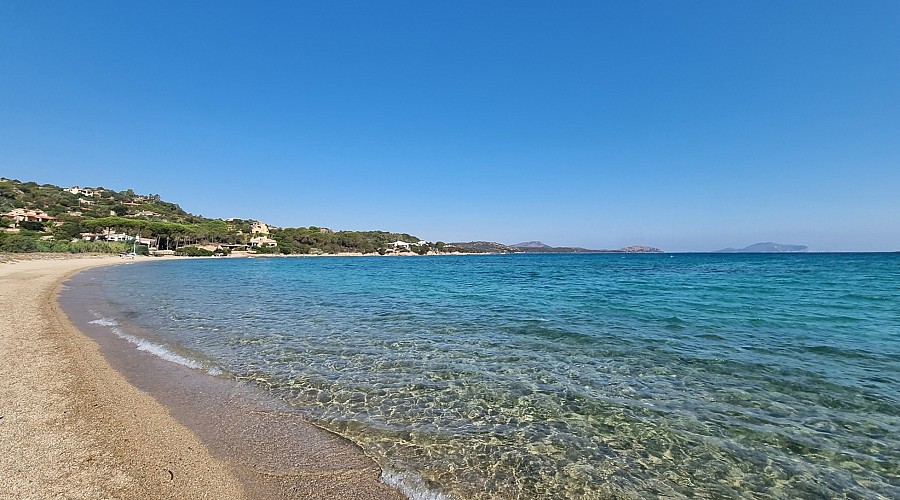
[32,226]
[314,240]
[24,242]
[194,252]
[83,218]
[97,202]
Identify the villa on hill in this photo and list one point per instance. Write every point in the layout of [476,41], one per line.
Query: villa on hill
[108,235]
[82,191]
[262,241]
[28,215]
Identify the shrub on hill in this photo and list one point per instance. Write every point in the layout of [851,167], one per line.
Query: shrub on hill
[66,231]
[31,225]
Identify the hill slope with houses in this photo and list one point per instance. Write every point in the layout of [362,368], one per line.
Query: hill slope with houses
[45,217]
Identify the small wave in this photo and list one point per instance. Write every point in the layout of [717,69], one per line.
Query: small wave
[410,485]
[157,350]
[839,352]
[104,322]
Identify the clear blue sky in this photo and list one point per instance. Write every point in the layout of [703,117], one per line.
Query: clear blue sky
[680,124]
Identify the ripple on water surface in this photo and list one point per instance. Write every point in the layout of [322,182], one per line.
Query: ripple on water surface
[588,376]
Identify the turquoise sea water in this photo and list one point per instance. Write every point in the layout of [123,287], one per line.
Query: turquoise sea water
[560,376]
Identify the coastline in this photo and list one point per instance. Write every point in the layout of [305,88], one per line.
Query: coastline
[73,424]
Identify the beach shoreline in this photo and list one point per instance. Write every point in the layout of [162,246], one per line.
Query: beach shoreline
[74,424]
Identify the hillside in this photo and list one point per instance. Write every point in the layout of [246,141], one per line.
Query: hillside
[539,247]
[531,244]
[45,217]
[49,218]
[767,247]
[482,247]
[77,202]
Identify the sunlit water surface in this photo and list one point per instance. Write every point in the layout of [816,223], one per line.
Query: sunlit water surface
[561,376]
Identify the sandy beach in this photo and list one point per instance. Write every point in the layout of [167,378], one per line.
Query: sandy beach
[72,426]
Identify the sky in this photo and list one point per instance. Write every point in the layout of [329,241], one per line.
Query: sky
[685,125]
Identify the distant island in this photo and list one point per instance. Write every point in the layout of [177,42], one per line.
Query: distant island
[540,247]
[767,247]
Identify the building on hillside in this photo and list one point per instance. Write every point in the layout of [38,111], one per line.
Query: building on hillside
[107,235]
[258,227]
[27,215]
[145,213]
[262,241]
[82,191]
[234,246]
[400,244]
[111,236]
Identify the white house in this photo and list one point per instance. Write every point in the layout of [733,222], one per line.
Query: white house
[118,237]
[400,244]
[84,192]
[262,241]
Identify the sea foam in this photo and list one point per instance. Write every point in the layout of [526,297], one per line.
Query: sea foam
[157,350]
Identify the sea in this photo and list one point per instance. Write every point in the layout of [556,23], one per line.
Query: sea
[542,376]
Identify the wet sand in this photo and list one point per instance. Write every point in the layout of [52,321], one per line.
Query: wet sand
[76,424]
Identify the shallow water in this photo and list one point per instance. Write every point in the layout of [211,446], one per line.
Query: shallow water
[559,376]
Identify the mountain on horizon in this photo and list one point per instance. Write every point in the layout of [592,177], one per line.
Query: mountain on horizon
[531,244]
[767,247]
[540,247]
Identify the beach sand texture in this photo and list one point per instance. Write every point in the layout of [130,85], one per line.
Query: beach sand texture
[73,427]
